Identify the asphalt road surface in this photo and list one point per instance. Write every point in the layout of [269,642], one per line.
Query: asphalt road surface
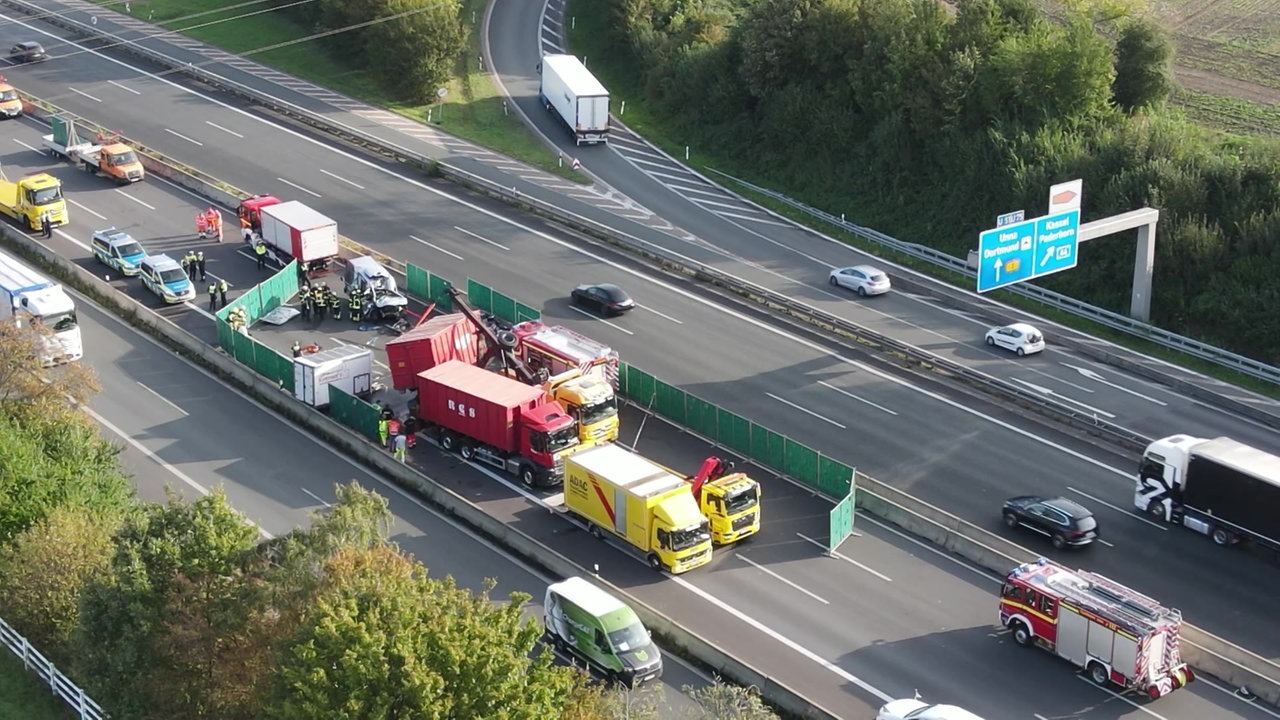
[182,429]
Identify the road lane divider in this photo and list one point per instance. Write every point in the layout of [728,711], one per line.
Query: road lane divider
[1209,654]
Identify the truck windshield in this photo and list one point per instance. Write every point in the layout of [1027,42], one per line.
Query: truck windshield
[629,638]
[46,196]
[60,322]
[8,94]
[741,501]
[690,537]
[592,414]
[1149,467]
[124,158]
[561,439]
[172,276]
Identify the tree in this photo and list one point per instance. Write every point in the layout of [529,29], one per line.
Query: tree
[722,701]
[1142,60]
[44,572]
[27,386]
[415,54]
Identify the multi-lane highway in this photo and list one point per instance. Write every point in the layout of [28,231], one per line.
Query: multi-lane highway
[885,618]
[957,453]
[921,438]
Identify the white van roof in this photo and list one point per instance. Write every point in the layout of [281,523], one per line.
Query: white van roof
[590,598]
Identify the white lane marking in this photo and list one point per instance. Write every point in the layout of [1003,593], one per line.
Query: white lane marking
[436,247]
[807,410]
[299,187]
[1140,708]
[1103,381]
[1050,393]
[1118,509]
[482,239]
[845,558]
[225,130]
[200,310]
[826,384]
[184,137]
[98,215]
[660,314]
[67,236]
[779,578]
[163,399]
[316,497]
[1104,542]
[1064,381]
[930,547]
[335,176]
[161,462]
[597,318]
[33,149]
[85,94]
[794,339]
[124,87]
[140,202]
[1205,681]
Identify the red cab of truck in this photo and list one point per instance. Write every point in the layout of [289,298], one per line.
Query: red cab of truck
[251,209]
[436,341]
[497,420]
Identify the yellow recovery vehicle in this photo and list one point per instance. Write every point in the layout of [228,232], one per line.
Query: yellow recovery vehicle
[729,500]
[32,195]
[618,492]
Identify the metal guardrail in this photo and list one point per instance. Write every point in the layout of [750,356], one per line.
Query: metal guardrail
[1113,320]
[33,660]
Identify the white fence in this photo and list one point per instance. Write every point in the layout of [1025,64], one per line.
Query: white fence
[50,675]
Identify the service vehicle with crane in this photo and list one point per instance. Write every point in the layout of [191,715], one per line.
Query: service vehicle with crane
[497,421]
[729,500]
[1116,635]
[31,196]
[1221,488]
[618,493]
[108,156]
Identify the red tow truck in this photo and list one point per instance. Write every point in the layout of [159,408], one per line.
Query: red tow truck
[496,420]
[1117,635]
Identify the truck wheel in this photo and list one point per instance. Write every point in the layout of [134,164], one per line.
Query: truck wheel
[448,442]
[1155,509]
[1021,634]
[1221,536]
[528,477]
[1099,674]
[595,531]
[467,452]
[655,562]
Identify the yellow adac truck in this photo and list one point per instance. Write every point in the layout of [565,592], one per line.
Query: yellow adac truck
[31,195]
[619,493]
[729,500]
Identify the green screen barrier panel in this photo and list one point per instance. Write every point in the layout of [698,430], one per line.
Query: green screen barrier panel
[623,371]
[735,432]
[702,417]
[670,402]
[417,281]
[768,448]
[834,477]
[244,350]
[438,295]
[480,296]
[342,407]
[226,338]
[641,387]
[367,417]
[504,307]
[524,313]
[801,463]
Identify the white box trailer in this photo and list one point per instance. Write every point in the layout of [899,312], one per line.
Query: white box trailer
[28,296]
[570,91]
[294,231]
[350,369]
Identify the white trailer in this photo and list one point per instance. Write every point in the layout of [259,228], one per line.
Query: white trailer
[575,95]
[293,231]
[350,369]
[27,296]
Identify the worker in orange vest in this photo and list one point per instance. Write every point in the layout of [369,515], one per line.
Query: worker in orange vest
[214,224]
[202,224]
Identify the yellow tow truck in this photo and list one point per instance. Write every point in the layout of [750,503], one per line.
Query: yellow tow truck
[30,196]
[729,500]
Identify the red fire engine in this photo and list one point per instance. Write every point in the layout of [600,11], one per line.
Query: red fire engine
[557,349]
[1116,634]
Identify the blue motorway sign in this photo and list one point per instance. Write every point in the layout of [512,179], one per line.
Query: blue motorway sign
[1029,249]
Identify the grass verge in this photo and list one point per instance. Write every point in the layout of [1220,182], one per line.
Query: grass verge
[22,695]
[589,37]
[473,109]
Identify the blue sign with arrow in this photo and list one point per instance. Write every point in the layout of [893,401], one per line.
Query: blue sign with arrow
[1041,246]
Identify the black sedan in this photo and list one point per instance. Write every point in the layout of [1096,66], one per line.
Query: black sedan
[1066,523]
[607,299]
[27,51]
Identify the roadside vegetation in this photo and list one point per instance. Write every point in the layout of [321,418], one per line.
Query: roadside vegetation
[383,64]
[132,599]
[22,695]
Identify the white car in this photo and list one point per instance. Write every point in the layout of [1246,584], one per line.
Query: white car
[1018,337]
[910,709]
[863,279]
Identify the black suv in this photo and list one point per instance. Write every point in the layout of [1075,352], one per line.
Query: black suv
[1066,523]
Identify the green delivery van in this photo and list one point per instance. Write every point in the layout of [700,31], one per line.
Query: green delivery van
[587,623]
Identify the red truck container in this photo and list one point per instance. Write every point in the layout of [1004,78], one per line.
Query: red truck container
[293,231]
[496,420]
[438,340]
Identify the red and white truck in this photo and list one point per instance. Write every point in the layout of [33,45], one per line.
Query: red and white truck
[496,420]
[294,231]
[1117,635]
